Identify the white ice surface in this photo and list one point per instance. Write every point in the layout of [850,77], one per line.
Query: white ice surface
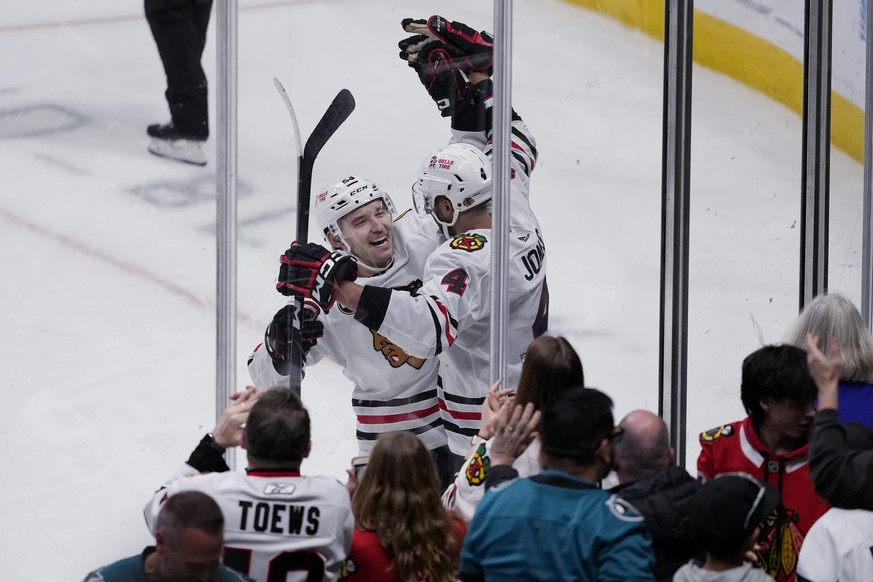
[108,253]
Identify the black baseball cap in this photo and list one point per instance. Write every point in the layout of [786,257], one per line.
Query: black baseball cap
[726,510]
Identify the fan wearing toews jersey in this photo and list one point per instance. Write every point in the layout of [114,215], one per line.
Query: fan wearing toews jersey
[450,315]
[278,524]
[392,390]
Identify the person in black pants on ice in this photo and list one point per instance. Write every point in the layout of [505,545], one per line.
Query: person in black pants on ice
[179,29]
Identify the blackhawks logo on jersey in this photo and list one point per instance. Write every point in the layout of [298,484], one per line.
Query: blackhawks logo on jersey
[779,547]
[714,433]
[394,353]
[468,242]
[479,465]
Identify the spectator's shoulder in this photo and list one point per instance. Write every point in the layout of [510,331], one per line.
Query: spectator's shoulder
[622,510]
[718,434]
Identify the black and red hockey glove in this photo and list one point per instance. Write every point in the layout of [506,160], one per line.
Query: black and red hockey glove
[440,75]
[279,336]
[472,49]
[313,272]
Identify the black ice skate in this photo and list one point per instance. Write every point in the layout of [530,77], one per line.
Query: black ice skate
[168,142]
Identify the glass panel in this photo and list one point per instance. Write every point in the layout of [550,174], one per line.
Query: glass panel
[847,151]
[588,80]
[745,189]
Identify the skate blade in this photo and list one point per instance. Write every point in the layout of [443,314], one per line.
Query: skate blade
[183,150]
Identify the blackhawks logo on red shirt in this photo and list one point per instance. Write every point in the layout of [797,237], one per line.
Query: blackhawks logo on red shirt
[714,433]
[468,242]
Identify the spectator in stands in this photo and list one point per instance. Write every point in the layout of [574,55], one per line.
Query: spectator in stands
[841,470]
[651,482]
[402,532]
[557,525]
[727,515]
[834,316]
[837,546]
[841,463]
[771,445]
[281,521]
[550,365]
[188,540]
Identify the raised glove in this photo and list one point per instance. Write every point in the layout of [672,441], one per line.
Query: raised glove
[473,50]
[440,75]
[313,272]
[279,336]
[410,47]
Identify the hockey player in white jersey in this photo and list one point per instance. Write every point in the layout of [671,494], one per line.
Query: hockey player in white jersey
[392,390]
[450,315]
[279,525]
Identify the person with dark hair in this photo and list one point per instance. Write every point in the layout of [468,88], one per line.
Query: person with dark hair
[661,491]
[402,532]
[550,365]
[778,394]
[179,29]
[189,536]
[557,525]
[727,517]
[835,316]
[278,520]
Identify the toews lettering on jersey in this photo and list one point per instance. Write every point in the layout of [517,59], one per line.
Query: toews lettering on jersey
[278,525]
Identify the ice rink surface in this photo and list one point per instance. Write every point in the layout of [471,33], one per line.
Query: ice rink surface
[108,253]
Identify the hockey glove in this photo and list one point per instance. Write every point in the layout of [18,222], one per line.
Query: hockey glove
[280,336]
[410,47]
[440,75]
[313,272]
[473,50]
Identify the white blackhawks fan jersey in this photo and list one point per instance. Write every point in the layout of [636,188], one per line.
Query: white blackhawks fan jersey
[838,547]
[392,390]
[450,315]
[278,525]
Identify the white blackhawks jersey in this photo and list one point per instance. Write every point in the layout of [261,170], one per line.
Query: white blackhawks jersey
[450,316]
[277,525]
[392,390]
[838,547]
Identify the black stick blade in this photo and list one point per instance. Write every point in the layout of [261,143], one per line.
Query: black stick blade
[339,110]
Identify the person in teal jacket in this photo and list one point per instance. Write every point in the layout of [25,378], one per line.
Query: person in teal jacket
[189,541]
[558,525]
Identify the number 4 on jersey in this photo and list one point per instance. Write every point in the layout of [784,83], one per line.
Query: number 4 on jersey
[456,281]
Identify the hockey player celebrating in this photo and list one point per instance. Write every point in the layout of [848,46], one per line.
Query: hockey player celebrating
[392,390]
[450,315]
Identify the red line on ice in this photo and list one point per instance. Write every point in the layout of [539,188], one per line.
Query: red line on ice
[123,265]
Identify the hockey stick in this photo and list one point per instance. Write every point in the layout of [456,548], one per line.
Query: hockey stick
[338,111]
